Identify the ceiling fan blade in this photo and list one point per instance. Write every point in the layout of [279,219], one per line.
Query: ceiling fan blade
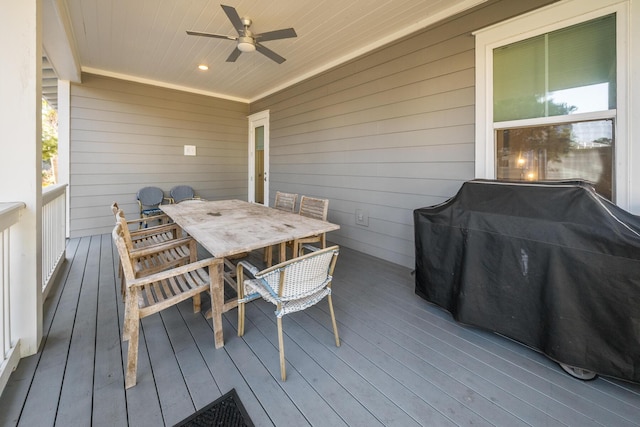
[276,35]
[233,16]
[234,55]
[214,36]
[269,53]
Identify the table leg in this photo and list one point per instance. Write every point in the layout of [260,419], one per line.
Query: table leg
[217,302]
[283,251]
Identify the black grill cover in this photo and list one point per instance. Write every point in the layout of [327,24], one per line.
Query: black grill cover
[552,265]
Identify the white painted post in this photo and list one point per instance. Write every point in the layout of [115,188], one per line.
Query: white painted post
[64,132]
[20,174]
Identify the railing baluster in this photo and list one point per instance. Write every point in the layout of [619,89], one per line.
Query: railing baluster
[54,200]
[9,215]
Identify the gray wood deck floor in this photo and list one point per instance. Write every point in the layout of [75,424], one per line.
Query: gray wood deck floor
[402,362]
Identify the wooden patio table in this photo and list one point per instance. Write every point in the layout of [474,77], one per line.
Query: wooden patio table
[231,227]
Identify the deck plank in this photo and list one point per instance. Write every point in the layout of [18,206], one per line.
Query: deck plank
[110,405]
[537,375]
[402,361]
[198,379]
[170,386]
[227,374]
[310,404]
[42,401]
[78,375]
[17,390]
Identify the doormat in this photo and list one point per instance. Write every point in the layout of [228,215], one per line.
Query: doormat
[226,411]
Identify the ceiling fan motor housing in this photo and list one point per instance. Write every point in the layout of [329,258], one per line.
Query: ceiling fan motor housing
[246,44]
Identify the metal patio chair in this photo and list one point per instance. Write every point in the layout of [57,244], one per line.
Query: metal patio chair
[180,193]
[149,200]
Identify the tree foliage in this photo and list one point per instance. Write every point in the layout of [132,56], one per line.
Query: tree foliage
[49,132]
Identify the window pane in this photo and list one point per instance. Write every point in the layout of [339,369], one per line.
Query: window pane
[568,71]
[519,80]
[582,150]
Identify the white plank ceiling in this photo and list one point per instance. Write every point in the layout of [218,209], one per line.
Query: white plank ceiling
[145,40]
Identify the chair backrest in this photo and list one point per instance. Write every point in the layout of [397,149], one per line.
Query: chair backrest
[181,192]
[123,251]
[150,196]
[286,201]
[115,208]
[302,276]
[314,208]
[124,230]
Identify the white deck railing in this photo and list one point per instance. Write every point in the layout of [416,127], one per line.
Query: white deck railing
[9,215]
[54,220]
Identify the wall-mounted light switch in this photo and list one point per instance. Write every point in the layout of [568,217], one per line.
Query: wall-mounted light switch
[189,150]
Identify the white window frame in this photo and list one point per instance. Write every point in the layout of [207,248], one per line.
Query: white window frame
[544,20]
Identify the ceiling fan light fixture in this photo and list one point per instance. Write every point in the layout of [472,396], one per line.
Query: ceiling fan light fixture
[245,44]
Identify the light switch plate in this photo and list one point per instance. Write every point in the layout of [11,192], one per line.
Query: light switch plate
[189,150]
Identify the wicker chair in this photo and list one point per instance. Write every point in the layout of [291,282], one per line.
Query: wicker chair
[284,202]
[291,286]
[149,200]
[180,193]
[153,293]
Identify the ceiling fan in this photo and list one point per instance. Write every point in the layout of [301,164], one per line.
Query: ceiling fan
[246,40]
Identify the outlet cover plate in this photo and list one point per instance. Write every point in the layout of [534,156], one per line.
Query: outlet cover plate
[362,217]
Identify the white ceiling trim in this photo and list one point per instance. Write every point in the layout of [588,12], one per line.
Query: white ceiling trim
[461,7]
[142,80]
[420,24]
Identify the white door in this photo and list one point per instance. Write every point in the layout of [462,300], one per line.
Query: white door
[259,157]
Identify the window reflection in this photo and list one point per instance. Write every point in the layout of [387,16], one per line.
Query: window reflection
[582,150]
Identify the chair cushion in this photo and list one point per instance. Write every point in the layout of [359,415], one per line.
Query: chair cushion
[151,211]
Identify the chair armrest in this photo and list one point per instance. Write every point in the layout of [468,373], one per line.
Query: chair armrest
[149,218]
[166,274]
[159,229]
[240,267]
[247,265]
[151,250]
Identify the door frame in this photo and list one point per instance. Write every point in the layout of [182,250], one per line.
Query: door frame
[256,120]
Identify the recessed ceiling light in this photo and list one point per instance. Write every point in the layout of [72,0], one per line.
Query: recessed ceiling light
[203,67]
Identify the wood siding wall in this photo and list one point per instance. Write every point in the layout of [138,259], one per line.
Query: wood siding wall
[386,133]
[125,136]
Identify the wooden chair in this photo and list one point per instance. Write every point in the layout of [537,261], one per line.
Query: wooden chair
[150,235]
[313,208]
[284,202]
[150,294]
[147,258]
[291,286]
[145,237]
